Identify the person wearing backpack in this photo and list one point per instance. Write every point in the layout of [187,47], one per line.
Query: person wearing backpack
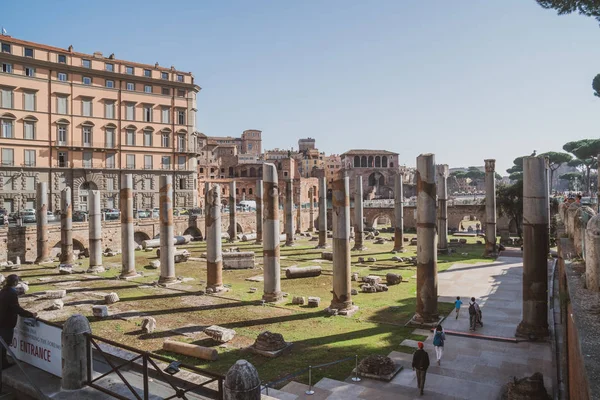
[438,343]
[474,314]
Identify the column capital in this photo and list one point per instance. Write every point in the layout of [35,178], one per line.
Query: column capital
[442,170]
[490,165]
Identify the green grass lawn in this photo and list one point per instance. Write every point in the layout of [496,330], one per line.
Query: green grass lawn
[377,328]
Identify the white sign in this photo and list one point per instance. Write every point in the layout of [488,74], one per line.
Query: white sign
[39,345]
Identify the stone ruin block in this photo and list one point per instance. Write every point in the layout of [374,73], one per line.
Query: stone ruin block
[398,259]
[111,298]
[55,294]
[270,344]
[239,260]
[379,241]
[393,279]
[314,301]
[528,388]
[373,288]
[299,300]
[219,333]
[376,365]
[413,241]
[155,264]
[21,288]
[65,269]
[56,305]
[371,259]
[371,279]
[462,241]
[100,311]
[148,325]
[354,277]
[327,255]
[361,259]
[353,292]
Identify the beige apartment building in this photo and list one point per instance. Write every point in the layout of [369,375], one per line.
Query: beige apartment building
[81,120]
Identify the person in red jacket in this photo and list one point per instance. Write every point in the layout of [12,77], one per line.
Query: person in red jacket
[9,310]
[420,363]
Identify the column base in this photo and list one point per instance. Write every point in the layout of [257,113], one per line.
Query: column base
[399,249]
[258,242]
[320,246]
[212,289]
[530,332]
[359,248]
[96,269]
[289,244]
[272,297]
[168,281]
[130,275]
[43,260]
[345,312]
[430,321]
[444,251]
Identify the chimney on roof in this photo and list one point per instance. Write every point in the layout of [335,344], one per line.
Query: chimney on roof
[156,65]
[71,48]
[97,54]
[112,56]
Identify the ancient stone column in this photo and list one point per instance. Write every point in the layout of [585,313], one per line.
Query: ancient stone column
[214,250]
[43,246]
[427,307]
[242,382]
[535,250]
[322,213]
[342,298]
[259,211]
[442,195]
[399,211]
[75,352]
[272,272]
[311,210]
[127,232]
[598,186]
[289,212]
[592,254]
[95,232]
[167,246]
[66,227]
[232,213]
[299,215]
[490,208]
[358,215]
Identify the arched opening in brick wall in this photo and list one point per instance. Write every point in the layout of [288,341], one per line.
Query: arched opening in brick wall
[470,223]
[381,219]
[195,232]
[77,247]
[239,228]
[139,237]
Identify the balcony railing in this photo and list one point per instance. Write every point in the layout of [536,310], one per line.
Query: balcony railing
[10,163]
[181,167]
[28,164]
[165,166]
[85,145]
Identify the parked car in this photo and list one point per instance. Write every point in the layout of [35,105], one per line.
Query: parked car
[143,213]
[79,216]
[112,215]
[52,217]
[28,217]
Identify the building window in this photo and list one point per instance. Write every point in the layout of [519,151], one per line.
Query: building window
[164,140]
[250,147]
[181,142]
[87,159]
[30,158]
[110,84]
[30,183]
[61,105]
[28,52]
[7,128]
[179,78]
[6,48]
[147,73]
[86,107]
[165,91]
[129,70]
[87,136]
[29,101]
[130,111]
[87,80]
[62,59]
[182,183]
[180,93]
[62,76]
[109,109]
[166,162]
[62,134]
[110,183]
[109,67]
[147,113]
[148,138]
[8,158]
[86,63]
[164,75]
[181,161]
[130,86]
[6,98]
[109,138]
[130,161]
[29,130]
[30,72]
[181,117]
[147,89]
[110,160]
[130,137]
[63,159]
[147,164]
[7,68]
[165,115]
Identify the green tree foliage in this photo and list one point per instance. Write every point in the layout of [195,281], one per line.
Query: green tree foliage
[596,85]
[590,8]
[573,178]
[586,153]
[516,171]
[509,201]
[556,160]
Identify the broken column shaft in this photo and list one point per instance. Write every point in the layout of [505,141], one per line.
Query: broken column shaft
[442,194]
[399,211]
[272,272]
[127,232]
[43,245]
[490,208]
[259,211]
[311,210]
[214,249]
[167,246]
[289,212]
[358,215]
[95,232]
[322,213]
[66,227]
[232,213]
[535,250]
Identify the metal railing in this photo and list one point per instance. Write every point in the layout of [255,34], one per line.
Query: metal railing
[309,369]
[148,365]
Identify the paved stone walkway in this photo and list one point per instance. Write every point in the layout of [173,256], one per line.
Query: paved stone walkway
[472,367]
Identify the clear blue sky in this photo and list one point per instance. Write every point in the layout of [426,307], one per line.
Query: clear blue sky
[466,80]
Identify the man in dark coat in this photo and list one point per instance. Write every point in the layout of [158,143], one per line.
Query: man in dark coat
[9,310]
[420,364]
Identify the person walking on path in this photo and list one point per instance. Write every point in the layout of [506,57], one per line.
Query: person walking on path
[439,337]
[9,310]
[420,363]
[474,314]
[457,305]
